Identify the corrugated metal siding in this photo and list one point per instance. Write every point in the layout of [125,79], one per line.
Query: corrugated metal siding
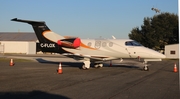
[14,36]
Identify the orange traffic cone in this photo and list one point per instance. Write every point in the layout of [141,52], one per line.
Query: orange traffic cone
[60,69]
[175,68]
[11,63]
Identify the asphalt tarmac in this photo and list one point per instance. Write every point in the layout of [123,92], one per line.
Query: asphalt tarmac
[39,80]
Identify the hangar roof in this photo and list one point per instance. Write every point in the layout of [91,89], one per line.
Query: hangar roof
[18,36]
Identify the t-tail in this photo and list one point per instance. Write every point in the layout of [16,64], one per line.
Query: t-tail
[43,33]
[49,39]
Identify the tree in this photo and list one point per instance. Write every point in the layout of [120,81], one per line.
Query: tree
[158,31]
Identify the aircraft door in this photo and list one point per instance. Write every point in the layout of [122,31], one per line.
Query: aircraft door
[132,52]
[132,48]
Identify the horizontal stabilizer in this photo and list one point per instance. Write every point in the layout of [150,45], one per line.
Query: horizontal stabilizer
[26,21]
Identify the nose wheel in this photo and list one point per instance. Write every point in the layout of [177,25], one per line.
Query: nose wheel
[145,68]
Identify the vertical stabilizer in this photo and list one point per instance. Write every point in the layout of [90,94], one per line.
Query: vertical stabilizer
[43,33]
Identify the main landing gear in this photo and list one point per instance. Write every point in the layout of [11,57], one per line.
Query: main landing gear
[86,65]
[97,65]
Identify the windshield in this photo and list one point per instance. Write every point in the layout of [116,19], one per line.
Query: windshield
[132,43]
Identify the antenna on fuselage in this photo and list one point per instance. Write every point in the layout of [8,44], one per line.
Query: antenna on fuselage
[155,9]
[113,37]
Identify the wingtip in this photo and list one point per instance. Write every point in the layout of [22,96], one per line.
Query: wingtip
[14,19]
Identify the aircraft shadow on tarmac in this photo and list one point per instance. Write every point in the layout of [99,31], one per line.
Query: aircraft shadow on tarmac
[79,64]
[30,95]
[68,64]
[40,60]
[125,66]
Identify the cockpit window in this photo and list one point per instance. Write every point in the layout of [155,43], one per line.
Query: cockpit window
[132,43]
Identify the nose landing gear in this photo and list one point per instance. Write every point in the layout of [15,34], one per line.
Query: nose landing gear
[145,68]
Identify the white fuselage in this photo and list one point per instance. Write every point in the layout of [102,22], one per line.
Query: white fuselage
[113,48]
[109,48]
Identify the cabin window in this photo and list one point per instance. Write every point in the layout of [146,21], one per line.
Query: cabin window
[97,44]
[110,44]
[132,43]
[89,44]
[104,44]
[172,52]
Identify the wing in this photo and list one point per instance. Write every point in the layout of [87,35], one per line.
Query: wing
[81,54]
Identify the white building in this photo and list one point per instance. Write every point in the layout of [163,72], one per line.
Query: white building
[172,51]
[24,43]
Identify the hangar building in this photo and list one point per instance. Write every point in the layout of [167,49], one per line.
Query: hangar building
[19,42]
[172,51]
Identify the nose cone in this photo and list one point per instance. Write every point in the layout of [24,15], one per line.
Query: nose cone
[155,54]
[149,53]
[161,55]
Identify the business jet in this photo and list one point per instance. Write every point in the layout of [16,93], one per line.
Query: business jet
[90,51]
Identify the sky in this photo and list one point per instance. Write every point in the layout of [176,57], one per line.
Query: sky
[82,18]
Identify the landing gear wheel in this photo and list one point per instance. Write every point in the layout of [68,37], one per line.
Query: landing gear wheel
[145,68]
[98,65]
[83,67]
[86,65]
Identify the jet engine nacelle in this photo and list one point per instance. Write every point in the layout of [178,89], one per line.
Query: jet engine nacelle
[69,43]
